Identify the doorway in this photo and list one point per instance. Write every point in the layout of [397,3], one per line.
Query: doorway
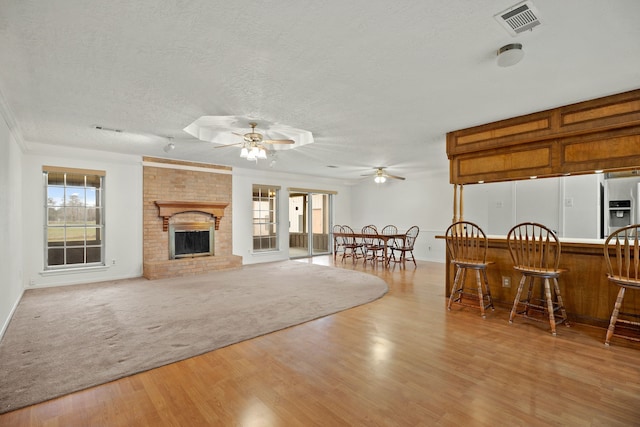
[309,223]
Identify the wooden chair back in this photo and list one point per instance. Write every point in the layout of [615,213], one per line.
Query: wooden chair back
[466,242]
[534,246]
[389,229]
[338,229]
[349,239]
[371,232]
[622,253]
[410,238]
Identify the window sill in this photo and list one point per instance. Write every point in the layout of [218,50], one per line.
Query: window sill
[79,270]
[264,253]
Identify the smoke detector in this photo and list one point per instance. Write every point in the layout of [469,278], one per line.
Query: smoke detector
[519,18]
[510,54]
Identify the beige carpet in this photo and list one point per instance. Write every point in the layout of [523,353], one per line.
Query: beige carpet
[69,338]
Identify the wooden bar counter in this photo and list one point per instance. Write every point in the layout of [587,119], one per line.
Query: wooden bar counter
[588,296]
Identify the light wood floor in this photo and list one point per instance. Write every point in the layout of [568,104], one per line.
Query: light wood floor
[403,360]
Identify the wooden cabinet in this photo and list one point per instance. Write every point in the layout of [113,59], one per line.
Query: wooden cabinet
[599,134]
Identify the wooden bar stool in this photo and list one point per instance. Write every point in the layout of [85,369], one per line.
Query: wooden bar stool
[467,247]
[535,250]
[622,253]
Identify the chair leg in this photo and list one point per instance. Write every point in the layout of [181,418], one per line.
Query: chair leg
[487,290]
[547,295]
[614,316]
[480,296]
[517,299]
[560,302]
[454,288]
[530,294]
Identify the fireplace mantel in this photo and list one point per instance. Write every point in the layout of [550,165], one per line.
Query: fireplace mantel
[170,208]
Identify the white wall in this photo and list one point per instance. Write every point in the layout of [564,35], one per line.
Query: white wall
[243,181]
[11,282]
[424,199]
[123,214]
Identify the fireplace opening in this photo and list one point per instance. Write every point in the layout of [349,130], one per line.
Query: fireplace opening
[188,240]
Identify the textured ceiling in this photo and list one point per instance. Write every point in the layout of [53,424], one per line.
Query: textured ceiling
[378,83]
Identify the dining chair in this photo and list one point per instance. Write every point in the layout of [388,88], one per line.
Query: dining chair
[389,229]
[467,248]
[535,251]
[405,248]
[338,245]
[622,254]
[371,244]
[352,247]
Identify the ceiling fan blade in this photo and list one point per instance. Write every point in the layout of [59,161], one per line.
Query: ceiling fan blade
[239,134]
[394,176]
[228,145]
[278,141]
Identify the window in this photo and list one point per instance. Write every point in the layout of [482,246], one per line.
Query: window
[265,218]
[74,232]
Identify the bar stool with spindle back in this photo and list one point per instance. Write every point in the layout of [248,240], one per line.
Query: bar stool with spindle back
[467,248]
[622,253]
[535,251]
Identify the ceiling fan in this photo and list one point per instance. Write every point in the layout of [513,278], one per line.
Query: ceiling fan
[252,144]
[381,176]
[255,139]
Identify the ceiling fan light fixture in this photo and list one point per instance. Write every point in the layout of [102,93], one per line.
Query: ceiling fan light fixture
[262,154]
[379,179]
[244,153]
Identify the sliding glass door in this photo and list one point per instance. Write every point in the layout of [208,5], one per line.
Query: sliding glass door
[309,217]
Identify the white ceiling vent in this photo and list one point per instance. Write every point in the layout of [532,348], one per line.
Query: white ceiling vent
[519,18]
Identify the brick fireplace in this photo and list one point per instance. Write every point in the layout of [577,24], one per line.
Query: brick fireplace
[177,194]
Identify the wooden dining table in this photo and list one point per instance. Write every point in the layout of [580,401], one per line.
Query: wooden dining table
[358,235]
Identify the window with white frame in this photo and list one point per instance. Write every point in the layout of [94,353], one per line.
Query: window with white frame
[265,217]
[74,231]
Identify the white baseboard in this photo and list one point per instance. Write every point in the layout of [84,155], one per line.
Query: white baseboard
[13,310]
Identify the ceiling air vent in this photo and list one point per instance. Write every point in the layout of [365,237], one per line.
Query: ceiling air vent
[519,18]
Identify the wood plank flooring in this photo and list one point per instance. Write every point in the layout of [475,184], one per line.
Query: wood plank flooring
[403,360]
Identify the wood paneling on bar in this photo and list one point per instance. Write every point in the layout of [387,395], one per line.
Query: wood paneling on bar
[519,129]
[598,134]
[610,150]
[505,163]
[598,113]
